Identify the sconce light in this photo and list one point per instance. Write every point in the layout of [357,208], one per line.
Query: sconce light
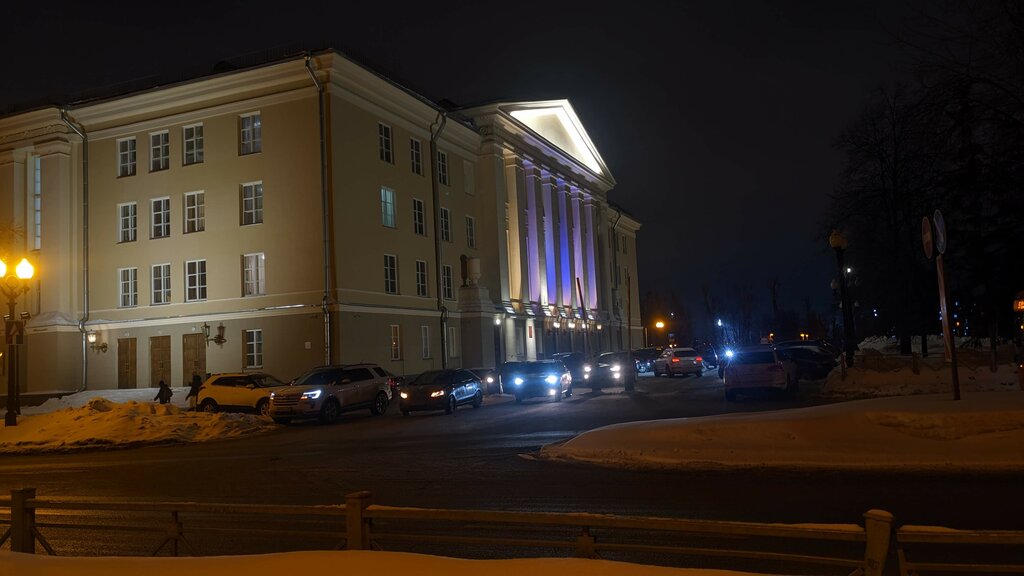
[599,327]
[97,348]
[497,320]
[556,324]
[219,339]
[572,325]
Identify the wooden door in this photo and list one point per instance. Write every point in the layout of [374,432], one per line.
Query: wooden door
[126,363]
[159,360]
[193,356]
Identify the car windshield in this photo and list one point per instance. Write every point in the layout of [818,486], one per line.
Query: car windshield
[538,367]
[317,378]
[686,353]
[754,357]
[612,358]
[432,377]
[266,380]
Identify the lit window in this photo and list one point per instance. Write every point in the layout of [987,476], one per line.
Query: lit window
[384,143]
[425,342]
[390,274]
[128,291]
[252,203]
[446,283]
[160,210]
[387,207]
[254,274]
[192,136]
[161,281]
[421,278]
[446,225]
[442,168]
[126,157]
[254,348]
[127,219]
[418,219]
[470,232]
[250,136]
[416,156]
[195,280]
[396,342]
[195,212]
[159,151]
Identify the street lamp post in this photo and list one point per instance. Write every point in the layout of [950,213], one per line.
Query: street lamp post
[13,286]
[838,243]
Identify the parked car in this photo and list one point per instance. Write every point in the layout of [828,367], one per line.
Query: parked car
[489,379]
[440,390]
[812,362]
[645,358]
[758,369]
[327,391]
[505,375]
[577,364]
[709,355]
[679,361]
[614,369]
[541,378]
[238,391]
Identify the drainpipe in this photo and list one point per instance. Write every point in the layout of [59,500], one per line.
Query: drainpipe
[85,246]
[325,207]
[442,119]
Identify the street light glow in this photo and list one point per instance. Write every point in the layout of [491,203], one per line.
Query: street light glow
[659,324]
[719,322]
[24,270]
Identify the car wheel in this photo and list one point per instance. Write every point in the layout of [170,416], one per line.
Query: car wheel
[282,420]
[730,395]
[330,411]
[568,392]
[263,407]
[478,399]
[452,404]
[380,404]
[559,394]
[208,405]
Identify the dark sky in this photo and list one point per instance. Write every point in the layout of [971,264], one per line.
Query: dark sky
[716,118]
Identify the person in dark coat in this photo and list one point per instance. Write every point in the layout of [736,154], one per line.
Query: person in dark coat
[163,395]
[193,391]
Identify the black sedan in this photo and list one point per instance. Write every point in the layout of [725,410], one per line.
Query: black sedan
[614,369]
[440,390]
[540,378]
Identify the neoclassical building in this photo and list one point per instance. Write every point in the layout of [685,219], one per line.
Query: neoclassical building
[304,212]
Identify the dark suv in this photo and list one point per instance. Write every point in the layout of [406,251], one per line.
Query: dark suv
[327,391]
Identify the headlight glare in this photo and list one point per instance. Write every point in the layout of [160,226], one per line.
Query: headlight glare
[437,393]
[586,367]
[518,381]
[616,368]
[312,394]
[551,379]
[403,394]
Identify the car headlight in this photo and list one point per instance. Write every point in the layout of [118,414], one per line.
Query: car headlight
[490,379]
[403,394]
[551,379]
[518,381]
[616,368]
[586,367]
[437,393]
[311,395]
[729,353]
[272,394]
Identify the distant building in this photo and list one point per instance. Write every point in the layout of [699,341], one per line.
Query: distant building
[201,244]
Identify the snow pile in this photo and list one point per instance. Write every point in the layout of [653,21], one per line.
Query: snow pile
[102,423]
[895,377]
[123,395]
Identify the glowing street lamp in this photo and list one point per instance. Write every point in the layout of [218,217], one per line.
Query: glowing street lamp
[659,324]
[13,286]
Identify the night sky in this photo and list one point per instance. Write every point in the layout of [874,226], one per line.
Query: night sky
[716,118]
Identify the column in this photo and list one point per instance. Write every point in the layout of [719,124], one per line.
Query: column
[565,246]
[518,286]
[589,207]
[577,244]
[57,255]
[491,176]
[534,233]
[550,205]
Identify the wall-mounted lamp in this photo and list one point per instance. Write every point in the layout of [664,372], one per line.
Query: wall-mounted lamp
[497,320]
[556,324]
[219,339]
[97,348]
[572,325]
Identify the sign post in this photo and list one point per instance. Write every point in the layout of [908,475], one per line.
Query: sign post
[939,239]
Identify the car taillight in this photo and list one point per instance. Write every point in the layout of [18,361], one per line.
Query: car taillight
[698,359]
[392,383]
[675,360]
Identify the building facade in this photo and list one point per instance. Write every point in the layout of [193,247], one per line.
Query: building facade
[290,215]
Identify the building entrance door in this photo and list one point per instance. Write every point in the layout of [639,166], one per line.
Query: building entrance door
[159,360]
[193,356]
[126,363]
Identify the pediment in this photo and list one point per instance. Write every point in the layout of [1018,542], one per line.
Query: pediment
[556,122]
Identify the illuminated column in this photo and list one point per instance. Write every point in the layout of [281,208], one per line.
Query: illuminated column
[565,245]
[491,175]
[589,206]
[13,174]
[534,234]
[550,285]
[577,243]
[517,256]
[57,254]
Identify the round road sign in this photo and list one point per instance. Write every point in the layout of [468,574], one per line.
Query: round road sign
[940,232]
[926,237]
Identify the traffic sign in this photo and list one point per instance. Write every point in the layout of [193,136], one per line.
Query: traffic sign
[940,232]
[926,237]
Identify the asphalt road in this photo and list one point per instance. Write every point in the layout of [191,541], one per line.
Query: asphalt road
[473,459]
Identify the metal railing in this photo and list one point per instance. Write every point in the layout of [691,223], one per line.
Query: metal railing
[368,526]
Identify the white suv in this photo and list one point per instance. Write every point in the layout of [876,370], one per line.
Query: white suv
[679,361]
[238,391]
[327,391]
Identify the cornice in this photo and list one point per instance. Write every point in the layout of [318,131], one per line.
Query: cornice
[29,127]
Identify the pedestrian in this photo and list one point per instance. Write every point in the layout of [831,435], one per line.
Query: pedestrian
[163,395]
[193,391]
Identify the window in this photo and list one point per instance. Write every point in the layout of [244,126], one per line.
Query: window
[387,207]
[195,280]
[254,281]
[446,225]
[159,151]
[37,203]
[424,342]
[160,209]
[195,212]
[421,278]
[250,133]
[252,203]
[126,157]
[442,168]
[453,345]
[254,348]
[390,274]
[192,136]
[446,283]
[416,156]
[396,342]
[470,232]
[418,220]
[384,142]
[128,282]
[161,282]
[127,219]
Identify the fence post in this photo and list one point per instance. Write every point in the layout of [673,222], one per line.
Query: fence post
[23,521]
[357,526]
[878,529]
